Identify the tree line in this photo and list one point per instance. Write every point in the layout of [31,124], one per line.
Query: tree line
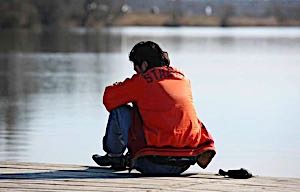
[70,13]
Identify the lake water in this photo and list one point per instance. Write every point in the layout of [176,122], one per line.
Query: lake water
[246,88]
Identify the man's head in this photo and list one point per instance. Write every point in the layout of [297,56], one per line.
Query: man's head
[146,55]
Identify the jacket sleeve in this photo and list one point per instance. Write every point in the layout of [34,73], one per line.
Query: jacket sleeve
[122,93]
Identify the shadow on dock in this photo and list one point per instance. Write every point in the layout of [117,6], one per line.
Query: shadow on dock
[88,173]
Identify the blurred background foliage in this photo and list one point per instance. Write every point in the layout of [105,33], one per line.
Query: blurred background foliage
[96,13]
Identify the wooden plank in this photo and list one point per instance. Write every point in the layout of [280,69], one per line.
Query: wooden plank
[38,166]
[23,177]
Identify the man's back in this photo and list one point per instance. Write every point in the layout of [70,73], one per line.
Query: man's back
[167,110]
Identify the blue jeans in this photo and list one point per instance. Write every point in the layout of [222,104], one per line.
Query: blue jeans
[115,141]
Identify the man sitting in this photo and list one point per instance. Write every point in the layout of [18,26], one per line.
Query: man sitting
[161,129]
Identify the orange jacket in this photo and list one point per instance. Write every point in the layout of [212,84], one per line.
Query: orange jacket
[169,124]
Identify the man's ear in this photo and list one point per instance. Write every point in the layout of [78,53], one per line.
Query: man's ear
[144,66]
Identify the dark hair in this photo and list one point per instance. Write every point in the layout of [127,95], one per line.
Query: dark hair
[150,52]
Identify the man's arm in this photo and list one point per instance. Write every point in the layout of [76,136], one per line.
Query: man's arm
[122,93]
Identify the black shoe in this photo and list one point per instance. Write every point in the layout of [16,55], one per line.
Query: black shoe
[117,163]
[102,160]
[205,158]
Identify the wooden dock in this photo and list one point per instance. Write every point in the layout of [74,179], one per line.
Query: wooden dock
[16,177]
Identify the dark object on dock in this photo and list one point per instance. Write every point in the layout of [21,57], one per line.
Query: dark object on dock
[236,174]
[116,163]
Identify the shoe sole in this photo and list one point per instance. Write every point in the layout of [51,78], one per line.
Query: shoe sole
[95,158]
[114,165]
[205,158]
